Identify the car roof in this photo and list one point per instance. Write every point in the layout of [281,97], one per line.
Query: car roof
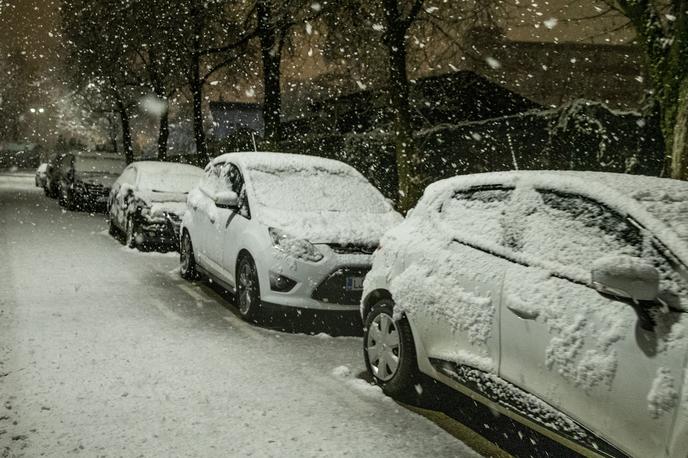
[659,204]
[158,166]
[283,161]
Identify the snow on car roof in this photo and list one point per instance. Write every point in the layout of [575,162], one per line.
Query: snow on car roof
[284,161]
[659,204]
[166,167]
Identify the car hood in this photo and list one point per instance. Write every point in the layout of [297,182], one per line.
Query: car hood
[332,226]
[168,202]
[104,179]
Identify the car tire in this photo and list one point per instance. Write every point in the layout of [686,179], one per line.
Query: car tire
[248,289]
[70,201]
[131,233]
[382,347]
[187,261]
[112,229]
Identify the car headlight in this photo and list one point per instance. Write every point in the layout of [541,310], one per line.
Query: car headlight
[298,248]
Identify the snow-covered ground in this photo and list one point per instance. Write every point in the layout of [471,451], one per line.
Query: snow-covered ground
[105,351]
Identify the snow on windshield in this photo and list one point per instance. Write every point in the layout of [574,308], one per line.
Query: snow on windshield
[99,165]
[174,182]
[316,189]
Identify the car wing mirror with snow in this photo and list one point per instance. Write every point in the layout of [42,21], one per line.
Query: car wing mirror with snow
[227,199]
[626,277]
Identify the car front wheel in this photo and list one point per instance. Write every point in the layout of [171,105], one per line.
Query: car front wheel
[187,267]
[132,233]
[389,350]
[248,289]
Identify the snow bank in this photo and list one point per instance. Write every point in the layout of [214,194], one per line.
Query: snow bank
[663,395]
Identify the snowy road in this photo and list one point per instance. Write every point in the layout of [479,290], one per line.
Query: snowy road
[107,352]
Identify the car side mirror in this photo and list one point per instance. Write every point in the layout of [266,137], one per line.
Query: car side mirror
[627,277]
[227,199]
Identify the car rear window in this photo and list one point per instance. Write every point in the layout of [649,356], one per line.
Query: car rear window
[477,213]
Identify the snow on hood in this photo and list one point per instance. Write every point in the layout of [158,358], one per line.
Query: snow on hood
[159,202]
[104,179]
[331,226]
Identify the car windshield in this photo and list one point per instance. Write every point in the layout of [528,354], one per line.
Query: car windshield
[316,189]
[98,165]
[169,181]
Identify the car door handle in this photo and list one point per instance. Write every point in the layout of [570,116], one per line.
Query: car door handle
[523,313]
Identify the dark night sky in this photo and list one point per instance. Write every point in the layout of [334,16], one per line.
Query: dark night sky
[28,25]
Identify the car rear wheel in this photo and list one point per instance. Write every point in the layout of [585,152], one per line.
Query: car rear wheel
[389,350]
[132,233]
[187,267]
[248,289]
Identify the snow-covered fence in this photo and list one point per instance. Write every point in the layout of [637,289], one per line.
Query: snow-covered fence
[581,135]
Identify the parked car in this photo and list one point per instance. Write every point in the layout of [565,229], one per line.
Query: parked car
[86,179]
[52,175]
[148,201]
[40,177]
[284,231]
[556,298]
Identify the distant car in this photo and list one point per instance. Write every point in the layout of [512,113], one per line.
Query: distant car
[86,179]
[52,175]
[557,298]
[41,176]
[148,201]
[284,231]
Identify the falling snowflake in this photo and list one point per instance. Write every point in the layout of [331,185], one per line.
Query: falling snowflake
[550,23]
[250,92]
[315,6]
[493,63]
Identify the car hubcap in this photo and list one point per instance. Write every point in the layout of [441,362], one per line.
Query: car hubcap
[383,347]
[130,233]
[246,288]
[186,249]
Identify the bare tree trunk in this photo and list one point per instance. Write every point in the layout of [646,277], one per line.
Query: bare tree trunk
[163,135]
[408,171]
[196,84]
[271,53]
[679,152]
[127,144]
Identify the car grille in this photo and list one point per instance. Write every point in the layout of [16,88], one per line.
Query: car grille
[96,189]
[352,248]
[333,288]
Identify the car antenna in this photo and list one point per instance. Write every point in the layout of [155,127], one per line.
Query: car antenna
[253,137]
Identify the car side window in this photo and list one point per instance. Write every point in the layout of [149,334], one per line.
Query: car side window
[210,183]
[233,180]
[477,213]
[571,230]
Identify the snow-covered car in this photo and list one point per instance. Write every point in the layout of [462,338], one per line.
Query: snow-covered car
[52,175]
[148,201]
[86,179]
[40,176]
[284,230]
[556,298]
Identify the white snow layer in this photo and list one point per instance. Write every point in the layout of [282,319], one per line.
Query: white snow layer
[663,395]
[321,200]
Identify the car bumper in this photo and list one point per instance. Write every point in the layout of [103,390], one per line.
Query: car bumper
[330,284]
[160,233]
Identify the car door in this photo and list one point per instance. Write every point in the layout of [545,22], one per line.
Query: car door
[455,281]
[237,223]
[593,357]
[205,232]
[121,195]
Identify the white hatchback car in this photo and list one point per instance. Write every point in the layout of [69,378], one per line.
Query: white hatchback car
[556,298]
[284,230]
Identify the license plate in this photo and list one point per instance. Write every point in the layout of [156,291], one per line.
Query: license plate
[354,283]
